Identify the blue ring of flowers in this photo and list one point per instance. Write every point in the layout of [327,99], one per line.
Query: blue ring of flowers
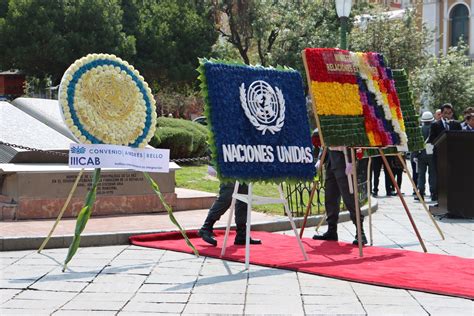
[71,91]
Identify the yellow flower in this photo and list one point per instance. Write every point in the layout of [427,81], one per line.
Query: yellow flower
[333,98]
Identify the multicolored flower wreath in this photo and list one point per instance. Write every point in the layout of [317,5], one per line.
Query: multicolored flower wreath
[104,100]
[355,98]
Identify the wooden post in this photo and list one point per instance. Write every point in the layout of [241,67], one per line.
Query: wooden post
[419,196]
[229,221]
[386,164]
[313,190]
[293,226]
[369,195]
[247,237]
[356,201]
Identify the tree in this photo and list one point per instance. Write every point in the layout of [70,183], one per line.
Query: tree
[402,42]
[170,36]
[43,37]
[447,79]
[275,32]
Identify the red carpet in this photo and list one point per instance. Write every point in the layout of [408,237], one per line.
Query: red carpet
[440,274]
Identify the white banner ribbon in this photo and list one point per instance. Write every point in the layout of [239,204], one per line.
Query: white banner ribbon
[121,157]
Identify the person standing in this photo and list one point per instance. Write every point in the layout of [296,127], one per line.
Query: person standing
[377,164]
[424,159]
[469,122]
[219,207]
[446,123]
[468,112]
[337,186]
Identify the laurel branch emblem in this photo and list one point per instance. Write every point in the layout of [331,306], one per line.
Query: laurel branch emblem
[263,106]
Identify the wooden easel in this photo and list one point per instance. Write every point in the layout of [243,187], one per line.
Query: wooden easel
[251,199]
[397,188]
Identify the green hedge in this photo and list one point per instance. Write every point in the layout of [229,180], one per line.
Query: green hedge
[184,139]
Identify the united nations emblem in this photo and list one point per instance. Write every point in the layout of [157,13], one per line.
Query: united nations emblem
[263,106]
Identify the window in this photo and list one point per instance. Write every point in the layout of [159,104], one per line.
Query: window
[459,17]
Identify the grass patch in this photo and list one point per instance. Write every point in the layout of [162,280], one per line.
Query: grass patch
[195,177]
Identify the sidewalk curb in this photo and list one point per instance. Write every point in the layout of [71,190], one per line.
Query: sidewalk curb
[121,238]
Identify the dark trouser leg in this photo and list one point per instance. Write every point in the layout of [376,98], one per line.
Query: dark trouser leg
[241,220]
[349,202]
[399,176]
[421,176]
[218,208]
[332,200]
[348,198]
[388,182]
[414,172]
[376,168]
[432,176]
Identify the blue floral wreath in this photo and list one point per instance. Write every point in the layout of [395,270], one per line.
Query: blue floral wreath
[221,84]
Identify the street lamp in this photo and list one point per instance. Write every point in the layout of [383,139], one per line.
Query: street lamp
[343,9]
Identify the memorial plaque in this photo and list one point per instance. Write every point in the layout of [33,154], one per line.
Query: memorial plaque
[40,190]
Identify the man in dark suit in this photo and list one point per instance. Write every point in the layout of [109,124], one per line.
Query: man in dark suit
[446,123]
[337,186]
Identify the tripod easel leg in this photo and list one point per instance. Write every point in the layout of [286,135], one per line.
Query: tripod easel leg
[61,213]
[308,207]
[247,236]
[420,197]
[313,190]
[288,213]
[356,201]
[369,183]
[386,164]
[229,221]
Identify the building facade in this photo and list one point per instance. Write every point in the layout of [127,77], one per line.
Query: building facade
[450,21]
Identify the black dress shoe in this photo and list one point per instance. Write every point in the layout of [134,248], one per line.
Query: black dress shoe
[207,236]
[326,236]
[241,241]
[364,240]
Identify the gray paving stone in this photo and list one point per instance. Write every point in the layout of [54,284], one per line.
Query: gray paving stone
[271,289]
[19,311]
[45,295]
[231,287]
[154,307]
[280,309]
[161,297]
[168,288]
[6,294]
[49,304]
[394,310]
[222,298]
[337,309]
[443,311]
[330,300]
[83,313]
[15,284]
[112,287]
[171,279]
[343,289]
[92,305]
[274,299]
[192,271]
[101,297]
[60,286]
[221,309]
[387,300]
[225,278]
[120,279]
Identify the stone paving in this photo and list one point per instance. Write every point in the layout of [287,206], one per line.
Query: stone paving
[129,280]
